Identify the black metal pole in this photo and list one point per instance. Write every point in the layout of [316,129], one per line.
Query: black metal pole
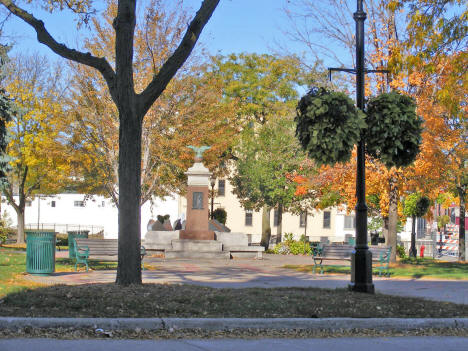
[212,199]
[361,260]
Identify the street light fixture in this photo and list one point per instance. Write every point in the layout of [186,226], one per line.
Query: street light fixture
[361,258]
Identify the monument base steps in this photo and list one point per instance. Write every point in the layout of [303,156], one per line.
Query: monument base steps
[197,245]
[185,248]
[196,254]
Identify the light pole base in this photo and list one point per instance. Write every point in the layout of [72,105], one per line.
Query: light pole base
[361,271]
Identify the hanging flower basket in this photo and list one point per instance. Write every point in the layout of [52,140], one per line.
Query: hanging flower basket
[328,125]
[394,130]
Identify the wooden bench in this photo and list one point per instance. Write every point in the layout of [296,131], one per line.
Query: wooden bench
[105,249]
[342,252]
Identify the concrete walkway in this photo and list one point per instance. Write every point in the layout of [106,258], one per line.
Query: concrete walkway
[330,344]
[266,273]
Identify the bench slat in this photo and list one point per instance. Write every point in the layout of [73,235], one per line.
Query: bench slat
[98,248]
[337,252]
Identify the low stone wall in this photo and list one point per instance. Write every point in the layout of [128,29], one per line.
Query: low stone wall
[160,240]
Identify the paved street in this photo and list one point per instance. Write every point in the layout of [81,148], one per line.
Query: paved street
[266,273]
[349,344]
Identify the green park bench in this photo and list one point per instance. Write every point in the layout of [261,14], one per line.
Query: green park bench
[102,249]
[342,252]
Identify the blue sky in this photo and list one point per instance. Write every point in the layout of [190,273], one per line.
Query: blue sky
[236,26]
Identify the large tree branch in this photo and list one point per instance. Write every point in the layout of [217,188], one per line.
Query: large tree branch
[177,59]
[44,37]
[8,192]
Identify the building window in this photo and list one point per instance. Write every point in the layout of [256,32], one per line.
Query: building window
[420,228]
[248,218]
[103,203]
[275,217]
[197,200]
[28,203]
[52,204]
[327,219]
[221,187]
[303,219]
[78,203]
[349,222]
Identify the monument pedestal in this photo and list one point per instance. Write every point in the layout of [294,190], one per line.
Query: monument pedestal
[196,235]
[196,226]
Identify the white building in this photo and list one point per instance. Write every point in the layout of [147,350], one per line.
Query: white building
[332,224]
[72,211]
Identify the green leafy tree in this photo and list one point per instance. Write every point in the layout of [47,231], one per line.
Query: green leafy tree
[265,156]
[415,206]
[220,215]
[37,162]
[263,87]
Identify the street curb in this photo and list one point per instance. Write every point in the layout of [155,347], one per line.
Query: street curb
[218,324]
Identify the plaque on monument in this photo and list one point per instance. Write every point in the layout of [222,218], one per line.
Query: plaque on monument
[197,202]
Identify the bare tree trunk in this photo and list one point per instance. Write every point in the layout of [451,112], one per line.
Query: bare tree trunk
[20,217]
[129,267]
[461,227]
[305,224]
[385,229]
[279,231]
[392,217]
[266,229]
[412,250]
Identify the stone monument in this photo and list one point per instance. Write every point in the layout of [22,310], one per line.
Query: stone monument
[196,226]
[199,239]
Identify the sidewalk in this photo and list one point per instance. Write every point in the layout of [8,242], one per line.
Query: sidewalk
[349,344]
[266,273]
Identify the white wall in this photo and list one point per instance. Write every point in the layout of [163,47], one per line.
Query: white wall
[98,211]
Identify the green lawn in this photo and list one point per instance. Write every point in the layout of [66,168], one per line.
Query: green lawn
[13,268]
[426,268]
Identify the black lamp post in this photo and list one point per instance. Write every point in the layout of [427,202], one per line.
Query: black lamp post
[212,182]
[361,259]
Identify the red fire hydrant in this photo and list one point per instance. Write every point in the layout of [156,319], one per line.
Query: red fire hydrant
[422,250]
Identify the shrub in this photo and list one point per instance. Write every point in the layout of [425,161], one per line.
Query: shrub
[291,246]
[220,215]
[281,248]
[62,240]
[5,230]
[400,249]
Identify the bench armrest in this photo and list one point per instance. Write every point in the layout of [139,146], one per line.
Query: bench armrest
[82,251]
[317,251]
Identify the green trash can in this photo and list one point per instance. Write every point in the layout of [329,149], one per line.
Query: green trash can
[40,252]
[72,235]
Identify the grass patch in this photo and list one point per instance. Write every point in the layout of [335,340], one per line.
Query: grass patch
[173,300]
[13,247]
[13,270]
[416,268]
